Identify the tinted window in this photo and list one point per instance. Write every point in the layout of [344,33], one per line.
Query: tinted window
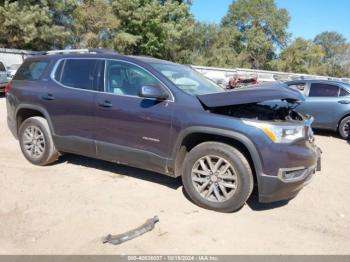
[343,92]
[127,79]
[76,73]
[2,67]
[31,70]
[324,90]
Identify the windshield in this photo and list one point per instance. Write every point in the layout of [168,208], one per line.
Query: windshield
[14,67]
[187,79]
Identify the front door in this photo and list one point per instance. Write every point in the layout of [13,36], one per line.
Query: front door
[132,130]
[321,101]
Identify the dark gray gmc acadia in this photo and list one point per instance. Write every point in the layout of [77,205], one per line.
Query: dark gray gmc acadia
[167,118]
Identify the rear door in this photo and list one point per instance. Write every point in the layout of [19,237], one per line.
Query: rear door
[321,102]
[132,130]
[69,100]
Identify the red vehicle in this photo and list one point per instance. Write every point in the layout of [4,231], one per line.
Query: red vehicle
[240,81]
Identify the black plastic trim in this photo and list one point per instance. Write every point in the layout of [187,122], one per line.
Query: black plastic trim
[220,132]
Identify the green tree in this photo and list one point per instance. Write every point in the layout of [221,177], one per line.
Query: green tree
[30,26]
[153,28]
[333,44]
[302,56]
[216,46]
[336,51]
[262,27]
[94,25]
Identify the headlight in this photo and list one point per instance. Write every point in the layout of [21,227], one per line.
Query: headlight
[279,133]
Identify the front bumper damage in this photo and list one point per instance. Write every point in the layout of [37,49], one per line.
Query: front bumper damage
[289,181]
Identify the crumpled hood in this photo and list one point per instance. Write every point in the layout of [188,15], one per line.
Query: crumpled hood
[250,95]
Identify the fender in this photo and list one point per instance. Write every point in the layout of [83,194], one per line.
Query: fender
[224,133]
[37,108]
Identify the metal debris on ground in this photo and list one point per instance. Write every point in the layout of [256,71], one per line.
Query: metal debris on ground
[120,238]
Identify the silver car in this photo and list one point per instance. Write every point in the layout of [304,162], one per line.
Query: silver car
[3,77]
[11,70]
[328,102]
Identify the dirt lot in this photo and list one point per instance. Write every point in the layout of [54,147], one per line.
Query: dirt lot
[67,207]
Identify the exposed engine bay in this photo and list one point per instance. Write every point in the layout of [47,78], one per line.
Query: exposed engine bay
[262,111]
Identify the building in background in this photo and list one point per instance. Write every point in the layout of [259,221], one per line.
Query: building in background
[13,58]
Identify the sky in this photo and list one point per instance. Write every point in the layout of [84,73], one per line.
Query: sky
[308,17]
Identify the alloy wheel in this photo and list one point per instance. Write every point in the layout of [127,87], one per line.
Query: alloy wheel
[34,141]
[346,129]
[214,178]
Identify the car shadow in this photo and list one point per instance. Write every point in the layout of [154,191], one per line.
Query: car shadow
[255,205]
[170,182]
[252,202]
[329,133]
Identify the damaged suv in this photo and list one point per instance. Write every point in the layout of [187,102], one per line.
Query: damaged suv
[167,118]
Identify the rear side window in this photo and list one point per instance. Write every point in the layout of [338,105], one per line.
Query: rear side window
[2,67]
[323,90]
[76,73]
[31,70]
[299,86]
[343,92]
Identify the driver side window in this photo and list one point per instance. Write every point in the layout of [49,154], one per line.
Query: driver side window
[123,78]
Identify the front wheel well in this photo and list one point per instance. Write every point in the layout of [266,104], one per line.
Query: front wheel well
[194,139]
[341,119]
[25,113]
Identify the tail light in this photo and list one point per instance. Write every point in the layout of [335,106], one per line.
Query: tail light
[8,87]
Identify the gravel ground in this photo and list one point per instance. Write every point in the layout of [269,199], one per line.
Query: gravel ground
[67,207]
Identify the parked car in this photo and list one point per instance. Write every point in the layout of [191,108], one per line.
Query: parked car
[3,77]
[328,102]
[11,70]
[164,117]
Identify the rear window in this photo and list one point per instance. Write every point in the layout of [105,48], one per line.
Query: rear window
[76,73]
[2,67]
[31,70]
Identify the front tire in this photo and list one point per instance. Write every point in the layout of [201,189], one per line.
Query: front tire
[36,141]
[217,176]
[344,128]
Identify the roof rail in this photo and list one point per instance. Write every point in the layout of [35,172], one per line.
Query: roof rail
[79,51]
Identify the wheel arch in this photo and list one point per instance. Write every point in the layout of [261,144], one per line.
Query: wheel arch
[341,118]
[193,136]
[25,111]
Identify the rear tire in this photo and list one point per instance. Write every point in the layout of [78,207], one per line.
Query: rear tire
[217,176]
[344,128]
[36,141]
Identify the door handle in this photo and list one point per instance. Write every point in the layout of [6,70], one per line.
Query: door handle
[344,102]
[105,104]
[48,97]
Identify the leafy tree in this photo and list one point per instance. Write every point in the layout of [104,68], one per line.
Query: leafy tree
[29,26]
[94,24]
[302,56]
[153,28]
[333,44]
[336,53]
[262,27]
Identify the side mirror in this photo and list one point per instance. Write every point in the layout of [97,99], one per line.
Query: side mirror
[153,92]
